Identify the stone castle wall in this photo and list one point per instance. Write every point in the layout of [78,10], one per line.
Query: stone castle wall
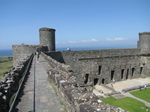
[74,73]
[104,66]
[98,66]
[75,97]
[21,52]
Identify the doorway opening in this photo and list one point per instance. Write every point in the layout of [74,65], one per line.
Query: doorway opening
[103,81]
[112,74]
[122,72]
[133,69]
[141,70]
[95,81]
[127,74]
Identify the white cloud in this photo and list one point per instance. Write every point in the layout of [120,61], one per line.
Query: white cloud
[83,41]
[91,40]
[72,42]
[119,38]
[114,39]
[94,40]
[77,42]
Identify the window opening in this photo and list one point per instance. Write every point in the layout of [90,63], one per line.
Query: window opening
[99,70]
[86,78]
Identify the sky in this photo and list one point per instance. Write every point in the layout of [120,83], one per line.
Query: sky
[78,23]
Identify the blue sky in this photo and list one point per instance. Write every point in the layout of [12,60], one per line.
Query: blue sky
[78,23]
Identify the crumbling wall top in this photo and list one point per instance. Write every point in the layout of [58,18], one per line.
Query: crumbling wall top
[144,33]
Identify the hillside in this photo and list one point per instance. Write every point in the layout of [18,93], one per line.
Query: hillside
[6,64]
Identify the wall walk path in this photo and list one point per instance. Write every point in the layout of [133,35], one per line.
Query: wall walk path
[38,95]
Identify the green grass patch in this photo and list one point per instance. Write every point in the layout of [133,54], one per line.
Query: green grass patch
[143,94]
[6,64]
[127,103]
[53,87]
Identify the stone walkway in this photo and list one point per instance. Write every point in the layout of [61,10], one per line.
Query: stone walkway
[38,95]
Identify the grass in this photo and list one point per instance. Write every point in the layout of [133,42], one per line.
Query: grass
[55,91]
[61,103]
[127,103]
[53,87]
[6,64]
[143,94]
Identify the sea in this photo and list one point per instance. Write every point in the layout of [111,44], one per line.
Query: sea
[8,52]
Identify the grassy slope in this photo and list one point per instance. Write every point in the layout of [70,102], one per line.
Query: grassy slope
[6,64]
[129,104]
[144,94]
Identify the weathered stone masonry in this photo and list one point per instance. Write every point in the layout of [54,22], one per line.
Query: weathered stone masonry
[10,83]
[104,66]
[75,97]
[75,73]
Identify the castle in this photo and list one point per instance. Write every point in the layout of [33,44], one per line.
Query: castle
[96,66]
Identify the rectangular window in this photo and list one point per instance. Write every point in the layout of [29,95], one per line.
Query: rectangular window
[99,70]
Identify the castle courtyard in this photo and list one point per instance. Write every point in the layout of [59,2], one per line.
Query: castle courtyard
[119,86]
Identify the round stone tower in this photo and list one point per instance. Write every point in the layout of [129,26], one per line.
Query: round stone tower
[144,42]
[47,38]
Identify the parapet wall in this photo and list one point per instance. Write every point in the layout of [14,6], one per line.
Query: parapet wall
[65,70]
[10,83]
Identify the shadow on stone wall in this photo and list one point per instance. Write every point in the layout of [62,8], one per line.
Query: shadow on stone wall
[56,55]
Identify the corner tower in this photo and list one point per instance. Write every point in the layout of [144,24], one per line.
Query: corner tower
[47,38]
[144,42]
